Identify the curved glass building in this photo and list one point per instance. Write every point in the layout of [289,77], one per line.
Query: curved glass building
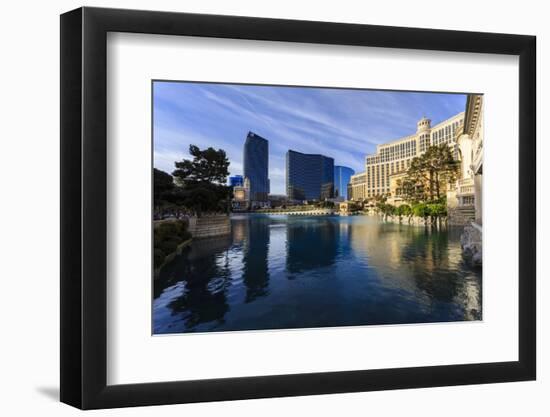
[255,166]
[309,176]
[342,177]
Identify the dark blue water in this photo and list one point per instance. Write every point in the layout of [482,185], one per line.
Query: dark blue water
[277,272]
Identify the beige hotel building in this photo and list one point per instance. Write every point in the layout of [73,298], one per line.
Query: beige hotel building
[392,159]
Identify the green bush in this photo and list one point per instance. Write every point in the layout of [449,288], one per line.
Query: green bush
[172,228]
[170,244]
[403,210]
[437,209]
[430,210]
[167,237]
[421,210]
[158,257]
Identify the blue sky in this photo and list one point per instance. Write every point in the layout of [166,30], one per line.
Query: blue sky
[341,123]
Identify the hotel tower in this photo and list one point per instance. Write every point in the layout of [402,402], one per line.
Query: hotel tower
[391,160]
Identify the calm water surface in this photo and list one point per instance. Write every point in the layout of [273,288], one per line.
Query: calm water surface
[278,272]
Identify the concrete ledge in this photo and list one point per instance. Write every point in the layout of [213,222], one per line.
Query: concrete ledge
[209,226]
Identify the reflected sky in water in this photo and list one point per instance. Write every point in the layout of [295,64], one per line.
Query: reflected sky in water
[280,272]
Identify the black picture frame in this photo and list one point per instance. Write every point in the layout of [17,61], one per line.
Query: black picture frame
[84,207]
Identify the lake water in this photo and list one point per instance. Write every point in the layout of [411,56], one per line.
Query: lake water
[280,272]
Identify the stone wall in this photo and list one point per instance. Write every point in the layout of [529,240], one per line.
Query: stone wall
[209,226]
[416,221]
[461,215]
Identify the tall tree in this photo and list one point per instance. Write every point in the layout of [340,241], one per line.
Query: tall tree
[208,165]
[162,182]
[429,174]
[202,181]
[412,188]
[442,168]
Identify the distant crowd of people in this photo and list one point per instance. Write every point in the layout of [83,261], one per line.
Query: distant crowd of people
[180,213]
[162,214]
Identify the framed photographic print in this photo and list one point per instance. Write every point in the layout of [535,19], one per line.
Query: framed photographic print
[258,207]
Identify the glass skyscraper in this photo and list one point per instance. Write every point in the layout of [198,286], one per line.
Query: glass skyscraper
[342,177]
[309,176]
[255,166]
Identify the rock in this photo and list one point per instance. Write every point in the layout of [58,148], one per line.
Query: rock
[477,258]
[471,243]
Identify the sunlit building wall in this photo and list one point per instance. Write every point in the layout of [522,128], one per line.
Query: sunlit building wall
[357,187]
[395,157]
[466,195]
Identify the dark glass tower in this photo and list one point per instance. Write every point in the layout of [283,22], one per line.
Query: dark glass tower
[342,177]
[255,166]
[309,176]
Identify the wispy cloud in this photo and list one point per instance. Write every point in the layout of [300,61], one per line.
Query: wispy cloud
[341,123]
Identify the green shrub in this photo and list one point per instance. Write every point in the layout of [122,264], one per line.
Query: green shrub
[430,210]
[158,257]
[185,235]
[403,210]
[437,209]
[167,237]
[170,244]
[421,210]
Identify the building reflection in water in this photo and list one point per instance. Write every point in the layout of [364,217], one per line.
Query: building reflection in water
[292,272]
[421,261]
[311,244]
[255,271]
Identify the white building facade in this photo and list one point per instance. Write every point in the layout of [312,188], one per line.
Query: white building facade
[394,158]
[465,199]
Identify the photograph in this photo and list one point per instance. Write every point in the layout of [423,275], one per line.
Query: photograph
[293,207]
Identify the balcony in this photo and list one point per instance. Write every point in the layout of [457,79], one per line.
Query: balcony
[465,187]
